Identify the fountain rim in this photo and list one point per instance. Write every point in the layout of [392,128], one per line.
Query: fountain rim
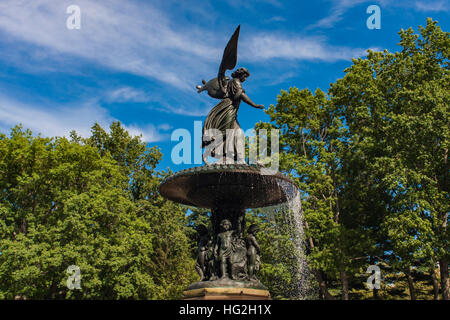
[216,168]
[225,168]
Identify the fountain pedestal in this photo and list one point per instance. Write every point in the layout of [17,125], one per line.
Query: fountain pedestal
[226,294]
[225,258]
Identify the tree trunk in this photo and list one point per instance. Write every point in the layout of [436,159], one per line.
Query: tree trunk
[324,294]
[344,282]
[376,296]
[443,263]
[435,283]
[410,279]
[445,282]
[23,227]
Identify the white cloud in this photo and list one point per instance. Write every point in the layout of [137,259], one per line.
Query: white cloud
[149,132]
[271,46]
[337,11]
[59,121]
[128,94]
[254,5]
[433,6]
[131,37]
[164,127]
[276,19]
[137,38]
[186,110]
[159,102]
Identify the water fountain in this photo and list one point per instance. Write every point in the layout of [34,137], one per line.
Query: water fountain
[287,220]
[227,262]
[228,190]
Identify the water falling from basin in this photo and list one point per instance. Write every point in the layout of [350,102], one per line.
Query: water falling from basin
[229,252]
[287,219]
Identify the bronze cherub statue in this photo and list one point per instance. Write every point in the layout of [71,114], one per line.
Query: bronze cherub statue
[253,252]
[202,251]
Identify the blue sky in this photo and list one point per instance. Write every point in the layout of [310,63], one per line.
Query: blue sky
[139,61]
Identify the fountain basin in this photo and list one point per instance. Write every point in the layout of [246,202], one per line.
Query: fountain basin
[214,186]
[228,190]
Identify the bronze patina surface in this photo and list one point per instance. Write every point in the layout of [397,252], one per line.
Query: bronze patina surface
[235,185]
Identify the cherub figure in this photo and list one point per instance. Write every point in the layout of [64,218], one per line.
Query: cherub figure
[224,248]
[211,265]
[227,240]
[203,239]
[253,251]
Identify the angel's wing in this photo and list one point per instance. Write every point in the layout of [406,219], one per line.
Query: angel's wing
[229,57]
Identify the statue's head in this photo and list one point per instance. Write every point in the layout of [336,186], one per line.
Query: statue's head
[253,229]
[202,230]
[225,224]
[242,74]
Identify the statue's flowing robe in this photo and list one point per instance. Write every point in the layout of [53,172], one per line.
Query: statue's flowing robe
[224,115]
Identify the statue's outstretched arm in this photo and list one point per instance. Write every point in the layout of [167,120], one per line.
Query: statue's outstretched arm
[247,100]
[255,243]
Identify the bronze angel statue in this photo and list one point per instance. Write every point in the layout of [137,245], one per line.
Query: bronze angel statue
[222,119]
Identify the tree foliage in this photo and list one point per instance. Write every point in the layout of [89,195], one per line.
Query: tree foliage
[369,155]
[91,203]
[371,159]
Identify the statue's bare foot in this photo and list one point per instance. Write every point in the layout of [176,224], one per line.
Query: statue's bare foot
[259,163]
[205,160]
[201,88]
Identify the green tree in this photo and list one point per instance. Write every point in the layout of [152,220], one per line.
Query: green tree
[398,104]
[70,202]
[370,158]
[315,151]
